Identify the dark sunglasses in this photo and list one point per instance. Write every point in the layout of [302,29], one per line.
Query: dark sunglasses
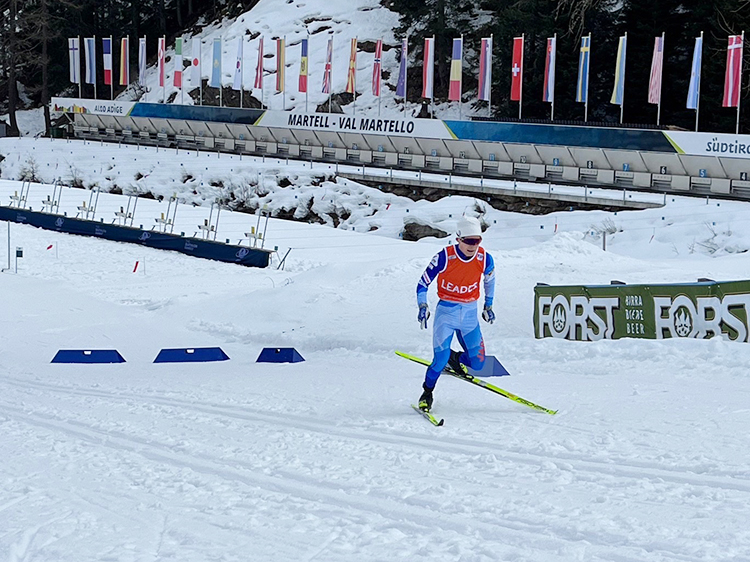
[471,241]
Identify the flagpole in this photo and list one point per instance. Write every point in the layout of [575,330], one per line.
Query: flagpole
[406,74]
[94,67]
[489,85]
[221,90]
[698,100]
[624,65]
[283,74]
[661,72]
[432,98]
[588,68]
[460,93]
[520,90]
[80,77]
[380,80]
[552,114]
[182,72]
[307,68]
[330,72]
[112,69]
[739,84]
[242,71]
[145,88]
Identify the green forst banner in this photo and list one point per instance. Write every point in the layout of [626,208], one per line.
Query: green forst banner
[694,310]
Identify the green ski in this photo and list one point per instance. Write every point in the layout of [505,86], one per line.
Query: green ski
[428,416]
[479,382]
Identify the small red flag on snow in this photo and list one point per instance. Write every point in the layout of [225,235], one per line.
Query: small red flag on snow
[50,246]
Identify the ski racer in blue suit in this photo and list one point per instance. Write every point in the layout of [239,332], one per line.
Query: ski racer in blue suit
[458,270]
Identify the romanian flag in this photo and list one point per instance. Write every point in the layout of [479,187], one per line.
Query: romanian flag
[351,77]
[124,61]
[280,64]
[454,92]
[303,67]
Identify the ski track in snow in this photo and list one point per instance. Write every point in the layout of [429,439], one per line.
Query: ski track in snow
[375,495]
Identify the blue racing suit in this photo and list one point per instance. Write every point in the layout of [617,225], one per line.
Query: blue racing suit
[455,316]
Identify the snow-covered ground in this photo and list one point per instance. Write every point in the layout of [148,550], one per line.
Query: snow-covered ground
[325,460]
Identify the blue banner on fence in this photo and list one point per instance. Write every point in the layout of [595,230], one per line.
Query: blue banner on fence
[207,249]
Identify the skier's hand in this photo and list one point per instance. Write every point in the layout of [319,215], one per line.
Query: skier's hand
[424,315]
[487,314]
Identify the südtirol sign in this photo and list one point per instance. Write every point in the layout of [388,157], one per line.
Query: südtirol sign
[590,313]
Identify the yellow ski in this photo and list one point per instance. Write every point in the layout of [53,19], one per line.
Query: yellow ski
[479,382]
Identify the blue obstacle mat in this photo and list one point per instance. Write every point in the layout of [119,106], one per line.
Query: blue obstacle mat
[88,356]
[191,355]
[279,355]
[491,368]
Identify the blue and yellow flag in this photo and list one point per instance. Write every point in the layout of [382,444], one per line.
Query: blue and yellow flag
[582,88]
[618,93]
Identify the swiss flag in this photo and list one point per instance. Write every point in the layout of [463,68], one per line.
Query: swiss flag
[516,69]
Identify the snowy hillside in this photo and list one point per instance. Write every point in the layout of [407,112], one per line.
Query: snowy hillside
[365,20]
[325,459]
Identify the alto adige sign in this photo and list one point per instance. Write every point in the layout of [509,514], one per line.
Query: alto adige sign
[590,313]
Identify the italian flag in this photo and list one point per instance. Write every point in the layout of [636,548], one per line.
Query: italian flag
[178,62]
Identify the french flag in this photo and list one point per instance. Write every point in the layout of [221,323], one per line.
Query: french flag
[107,53]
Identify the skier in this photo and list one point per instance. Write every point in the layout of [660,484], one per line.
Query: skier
[458,269]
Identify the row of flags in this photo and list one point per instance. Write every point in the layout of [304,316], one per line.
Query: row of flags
[732,84]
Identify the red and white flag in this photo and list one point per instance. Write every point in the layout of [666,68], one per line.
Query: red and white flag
[195,77]
[377,68]
[259,68]
[428,67]
[657,62]
[162,48]
[516,69]
[733,76]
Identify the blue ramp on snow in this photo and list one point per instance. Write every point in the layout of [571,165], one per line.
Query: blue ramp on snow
[491,368]
[191,355]
[279,355]
[88,356]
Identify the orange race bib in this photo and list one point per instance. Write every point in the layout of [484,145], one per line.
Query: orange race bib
[460,280]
